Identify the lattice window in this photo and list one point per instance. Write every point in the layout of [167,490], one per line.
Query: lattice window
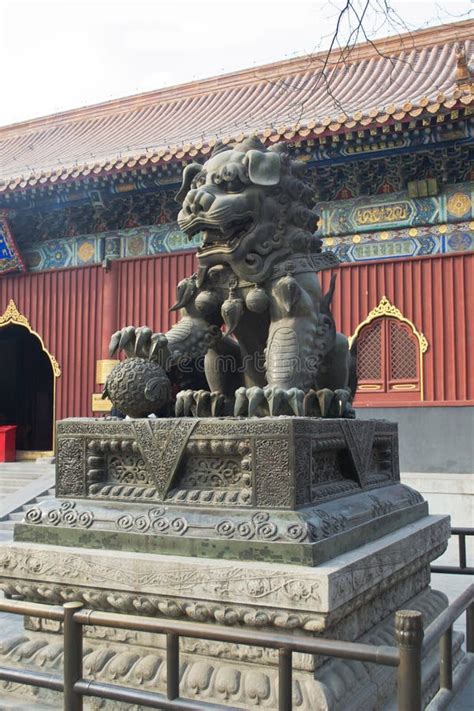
[388,362]
[369,352]
[403,352]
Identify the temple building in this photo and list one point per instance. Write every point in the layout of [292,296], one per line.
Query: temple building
[89,241]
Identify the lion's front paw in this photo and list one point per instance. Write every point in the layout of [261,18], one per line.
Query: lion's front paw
[202,403]
[270,400]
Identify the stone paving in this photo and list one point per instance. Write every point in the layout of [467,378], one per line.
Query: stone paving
[16,475]
[21,485]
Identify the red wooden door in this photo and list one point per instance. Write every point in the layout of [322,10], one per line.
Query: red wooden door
[388,363]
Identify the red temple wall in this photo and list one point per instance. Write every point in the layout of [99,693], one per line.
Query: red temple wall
[437,295]
[66,308]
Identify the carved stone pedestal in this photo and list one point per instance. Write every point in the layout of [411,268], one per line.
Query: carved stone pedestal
[278,524]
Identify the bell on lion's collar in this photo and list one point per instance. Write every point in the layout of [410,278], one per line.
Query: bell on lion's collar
[207,303]
[257,300]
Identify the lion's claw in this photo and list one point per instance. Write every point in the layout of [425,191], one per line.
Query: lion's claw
[128,336]
[139,342]
[295,401]
[273,401]
[142,339]
[275,397]
[250,402]
[201,403]
[328,403]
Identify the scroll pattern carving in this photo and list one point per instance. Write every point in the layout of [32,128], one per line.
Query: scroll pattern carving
[213,472]
[155,521]
[262,527]
[66,514]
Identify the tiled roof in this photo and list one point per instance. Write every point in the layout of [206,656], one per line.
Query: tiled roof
[408,76]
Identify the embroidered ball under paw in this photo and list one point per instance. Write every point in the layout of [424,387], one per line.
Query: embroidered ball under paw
[138,387]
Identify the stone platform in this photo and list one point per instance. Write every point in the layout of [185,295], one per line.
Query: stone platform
[294,490]
[273,523]
[351,597]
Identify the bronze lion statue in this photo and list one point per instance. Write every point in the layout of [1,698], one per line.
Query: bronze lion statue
[254,320]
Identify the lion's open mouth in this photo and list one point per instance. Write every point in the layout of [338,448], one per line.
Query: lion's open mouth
[225,237]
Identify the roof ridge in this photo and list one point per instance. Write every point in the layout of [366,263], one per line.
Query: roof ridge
[428,37]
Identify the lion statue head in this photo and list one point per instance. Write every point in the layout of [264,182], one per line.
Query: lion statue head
[252,207]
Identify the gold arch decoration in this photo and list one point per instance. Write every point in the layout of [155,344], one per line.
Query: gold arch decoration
[385,308]
[11,316]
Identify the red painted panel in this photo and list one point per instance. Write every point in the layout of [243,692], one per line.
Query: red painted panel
[66,308]
[147,289]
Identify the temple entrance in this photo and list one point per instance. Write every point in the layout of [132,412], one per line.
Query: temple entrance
[26,388]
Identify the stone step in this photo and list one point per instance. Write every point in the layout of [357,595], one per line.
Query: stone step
[16,516]
[44,497]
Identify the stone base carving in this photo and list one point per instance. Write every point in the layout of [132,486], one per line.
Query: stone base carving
[272,523]
[295,490]
[351,597]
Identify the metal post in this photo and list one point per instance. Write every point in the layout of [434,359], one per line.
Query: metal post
[470,628]
[446,660]
[409,638]
[284,680]
[172,666]
[72,656]
[462,550]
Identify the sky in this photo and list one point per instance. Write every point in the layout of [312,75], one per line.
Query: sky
[63,54]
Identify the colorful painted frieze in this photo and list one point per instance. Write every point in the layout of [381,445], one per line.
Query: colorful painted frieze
[412,242]
[10,257]
[454,203]
[358,229]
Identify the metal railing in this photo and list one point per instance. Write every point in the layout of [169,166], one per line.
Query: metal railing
[462,568]
[410,638]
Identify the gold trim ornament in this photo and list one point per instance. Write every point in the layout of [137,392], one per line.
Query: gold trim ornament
[11,315]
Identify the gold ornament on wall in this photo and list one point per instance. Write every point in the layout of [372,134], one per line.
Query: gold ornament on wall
[458,204]
[12,316]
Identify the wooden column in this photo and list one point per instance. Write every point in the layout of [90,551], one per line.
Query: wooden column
[110,305]
[109,325]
